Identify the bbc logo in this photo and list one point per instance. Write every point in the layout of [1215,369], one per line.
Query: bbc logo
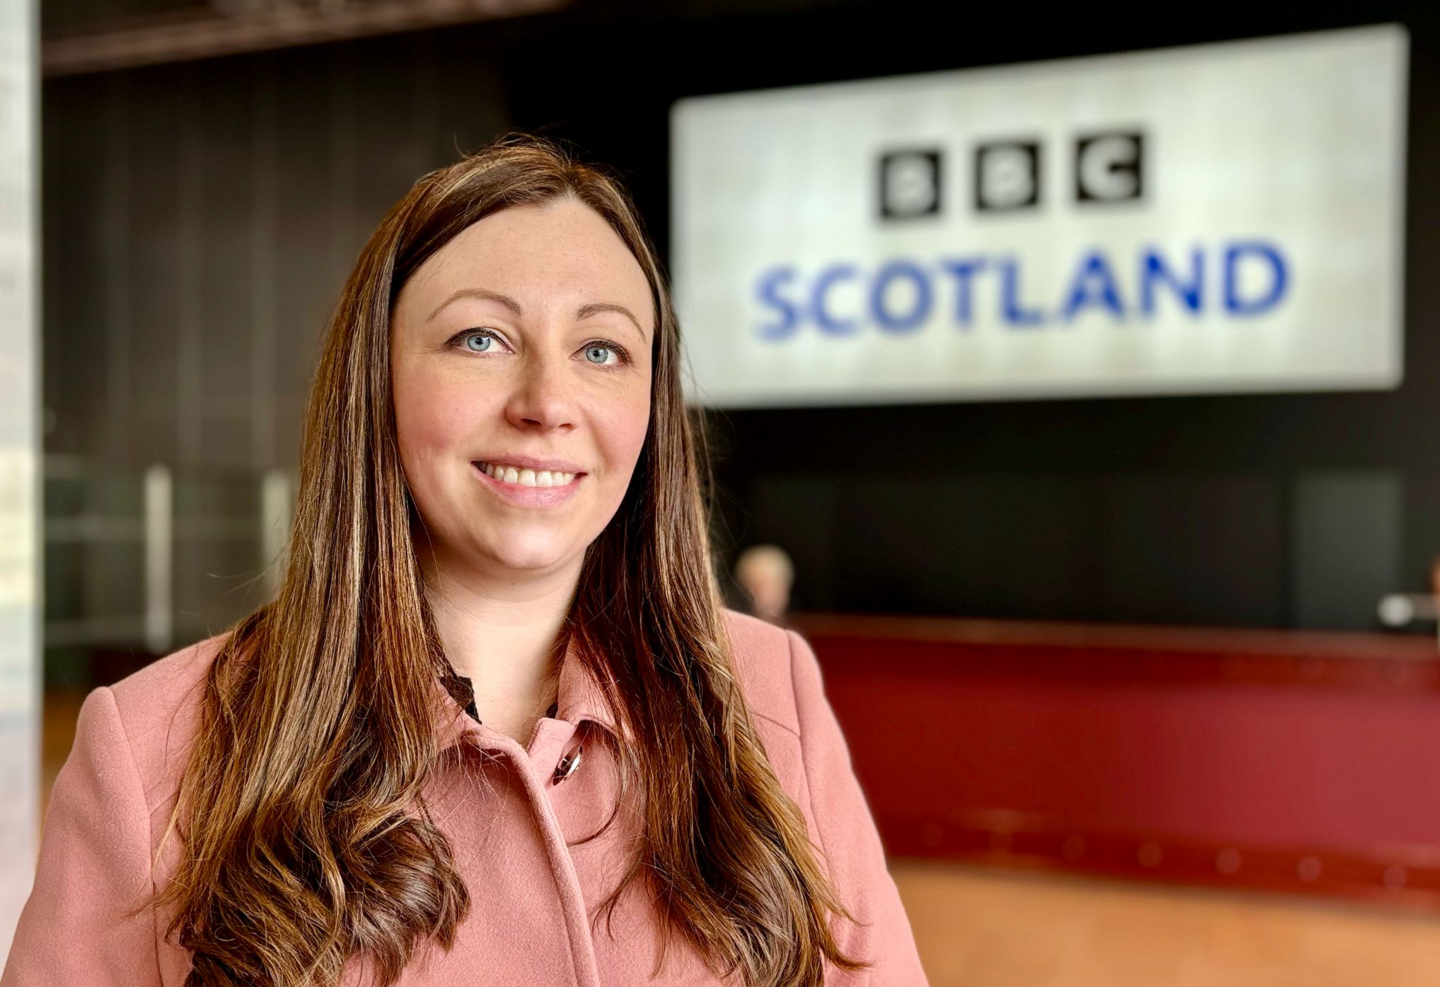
[1008,175]
[910,184]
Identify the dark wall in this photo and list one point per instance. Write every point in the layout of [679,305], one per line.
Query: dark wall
[199,219]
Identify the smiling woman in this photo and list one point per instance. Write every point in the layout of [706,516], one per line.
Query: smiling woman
[497,697]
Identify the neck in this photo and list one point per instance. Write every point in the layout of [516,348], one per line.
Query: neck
[501,630]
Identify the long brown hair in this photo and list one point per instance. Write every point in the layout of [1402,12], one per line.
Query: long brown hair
[305,836]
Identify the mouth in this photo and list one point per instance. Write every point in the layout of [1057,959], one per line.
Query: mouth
[525,487]
[524,476]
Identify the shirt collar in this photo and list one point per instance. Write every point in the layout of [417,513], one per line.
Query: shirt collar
[580,697]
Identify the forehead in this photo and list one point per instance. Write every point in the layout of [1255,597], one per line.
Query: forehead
[559,252]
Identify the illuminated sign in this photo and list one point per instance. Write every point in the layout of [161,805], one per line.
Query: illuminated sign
[1218,218]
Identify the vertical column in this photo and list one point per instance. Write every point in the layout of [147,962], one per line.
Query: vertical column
[159,560]
[277,515]
[19,463]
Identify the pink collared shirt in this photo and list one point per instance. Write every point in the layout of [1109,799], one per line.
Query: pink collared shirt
[508,812]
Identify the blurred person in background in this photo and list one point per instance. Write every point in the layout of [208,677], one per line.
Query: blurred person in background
[766,574]
[497,697]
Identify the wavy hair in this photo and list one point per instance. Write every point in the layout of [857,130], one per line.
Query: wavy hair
[305,836]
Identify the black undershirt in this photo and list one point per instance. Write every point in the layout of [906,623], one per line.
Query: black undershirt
[462,690]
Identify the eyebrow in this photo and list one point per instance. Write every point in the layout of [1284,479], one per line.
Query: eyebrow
[583,312]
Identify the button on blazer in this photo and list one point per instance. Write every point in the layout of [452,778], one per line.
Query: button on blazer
[508,812]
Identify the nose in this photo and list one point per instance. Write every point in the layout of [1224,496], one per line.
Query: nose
[543,394]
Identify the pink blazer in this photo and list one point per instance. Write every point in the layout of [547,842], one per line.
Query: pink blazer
[507,814]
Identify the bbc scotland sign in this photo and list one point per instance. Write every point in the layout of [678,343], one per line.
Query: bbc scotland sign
[1219,218]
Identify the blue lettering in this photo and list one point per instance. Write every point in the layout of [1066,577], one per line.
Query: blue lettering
[964,271]
[1263,301]
[1247,277]
[1010,308]
[768,289]
[823,319]
[1153,269]
[1093,284]
[919,311]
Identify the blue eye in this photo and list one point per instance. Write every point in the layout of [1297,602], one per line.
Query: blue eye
[473,342]
[590,351]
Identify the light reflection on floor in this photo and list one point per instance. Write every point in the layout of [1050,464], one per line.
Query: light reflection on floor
[983,928]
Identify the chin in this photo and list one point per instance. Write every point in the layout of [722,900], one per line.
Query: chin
[533,556]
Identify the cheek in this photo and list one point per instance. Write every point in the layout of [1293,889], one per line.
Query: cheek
[624,433]
[431,417]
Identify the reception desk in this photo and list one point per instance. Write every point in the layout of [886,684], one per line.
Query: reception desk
[1266,760]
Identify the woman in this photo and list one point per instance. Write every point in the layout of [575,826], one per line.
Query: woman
[495,728]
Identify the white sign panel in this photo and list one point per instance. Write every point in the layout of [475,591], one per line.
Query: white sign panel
[1218,218]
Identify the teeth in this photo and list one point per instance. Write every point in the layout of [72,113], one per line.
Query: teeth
[527,477]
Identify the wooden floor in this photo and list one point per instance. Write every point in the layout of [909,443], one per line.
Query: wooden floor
[981,928]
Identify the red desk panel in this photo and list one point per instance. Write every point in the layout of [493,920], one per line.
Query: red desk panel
[1301,762]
